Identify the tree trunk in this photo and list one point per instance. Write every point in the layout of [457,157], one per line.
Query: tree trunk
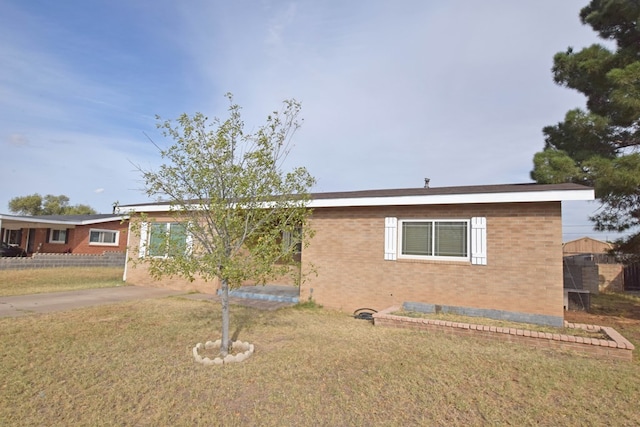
[224,342]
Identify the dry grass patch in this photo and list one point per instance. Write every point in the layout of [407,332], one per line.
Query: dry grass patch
[132,364]
[616,304]
[617,310]
[35,281]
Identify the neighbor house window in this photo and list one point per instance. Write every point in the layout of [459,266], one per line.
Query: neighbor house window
[434,239]
[13,237]
[167,239]
[103,237]
[58,236]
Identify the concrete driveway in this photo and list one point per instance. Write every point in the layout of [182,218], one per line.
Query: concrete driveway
[60,301]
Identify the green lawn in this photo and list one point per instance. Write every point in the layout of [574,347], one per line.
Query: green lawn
[131,364]
[23,282]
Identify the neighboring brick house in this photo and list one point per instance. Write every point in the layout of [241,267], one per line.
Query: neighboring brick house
[493,251]
[78,234]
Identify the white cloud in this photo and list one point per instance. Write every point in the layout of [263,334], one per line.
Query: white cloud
[17,139]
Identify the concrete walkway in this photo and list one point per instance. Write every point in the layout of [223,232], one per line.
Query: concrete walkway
[256,297]
[60,301]
[268,297]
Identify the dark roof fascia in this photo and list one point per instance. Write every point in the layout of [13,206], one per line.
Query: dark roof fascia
[65,219]
[439,191]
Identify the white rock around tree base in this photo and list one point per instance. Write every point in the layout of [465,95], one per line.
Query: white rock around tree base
[244,350]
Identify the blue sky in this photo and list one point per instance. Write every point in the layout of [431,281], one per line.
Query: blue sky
[392,92]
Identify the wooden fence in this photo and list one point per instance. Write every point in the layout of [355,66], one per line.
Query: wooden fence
[632,277]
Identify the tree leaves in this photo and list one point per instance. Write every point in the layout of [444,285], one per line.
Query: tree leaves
[228,187]
[599,147]
[35,204]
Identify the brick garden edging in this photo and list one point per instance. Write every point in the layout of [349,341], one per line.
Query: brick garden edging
[616,348]
[245,350]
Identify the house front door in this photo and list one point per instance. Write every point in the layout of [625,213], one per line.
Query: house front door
[31,237]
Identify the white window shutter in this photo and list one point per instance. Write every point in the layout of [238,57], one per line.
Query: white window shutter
[189,243]
[390,238]
[479,240]
[144,231]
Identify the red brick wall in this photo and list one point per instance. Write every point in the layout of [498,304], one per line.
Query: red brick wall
[524,253]
[78,240]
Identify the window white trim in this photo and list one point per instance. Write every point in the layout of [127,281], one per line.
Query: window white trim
[479,241]
[476,240]
[144,232]
[165,227]
[434,257]
[390,238]
[102,233]
[188,242]
[61,235]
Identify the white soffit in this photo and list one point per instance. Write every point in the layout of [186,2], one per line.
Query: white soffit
[103,220]
[436,199]
[458,199]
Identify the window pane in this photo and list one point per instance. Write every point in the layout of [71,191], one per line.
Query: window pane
[177,239]
[15,237]
[287,238]
[450,239]
[157,239]
[416,238]
[103,236]
[58,236]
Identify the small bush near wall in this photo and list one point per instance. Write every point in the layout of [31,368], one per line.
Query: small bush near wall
[107,259]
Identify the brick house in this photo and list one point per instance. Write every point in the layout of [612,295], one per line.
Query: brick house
[78,234]
[492,250]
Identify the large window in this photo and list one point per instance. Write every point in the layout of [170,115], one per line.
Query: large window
[103,237]
[434,239]
[58,236]
[167,239]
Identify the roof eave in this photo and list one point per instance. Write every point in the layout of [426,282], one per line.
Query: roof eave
[459,199]
[434,199]
[32,220]
[100,221]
